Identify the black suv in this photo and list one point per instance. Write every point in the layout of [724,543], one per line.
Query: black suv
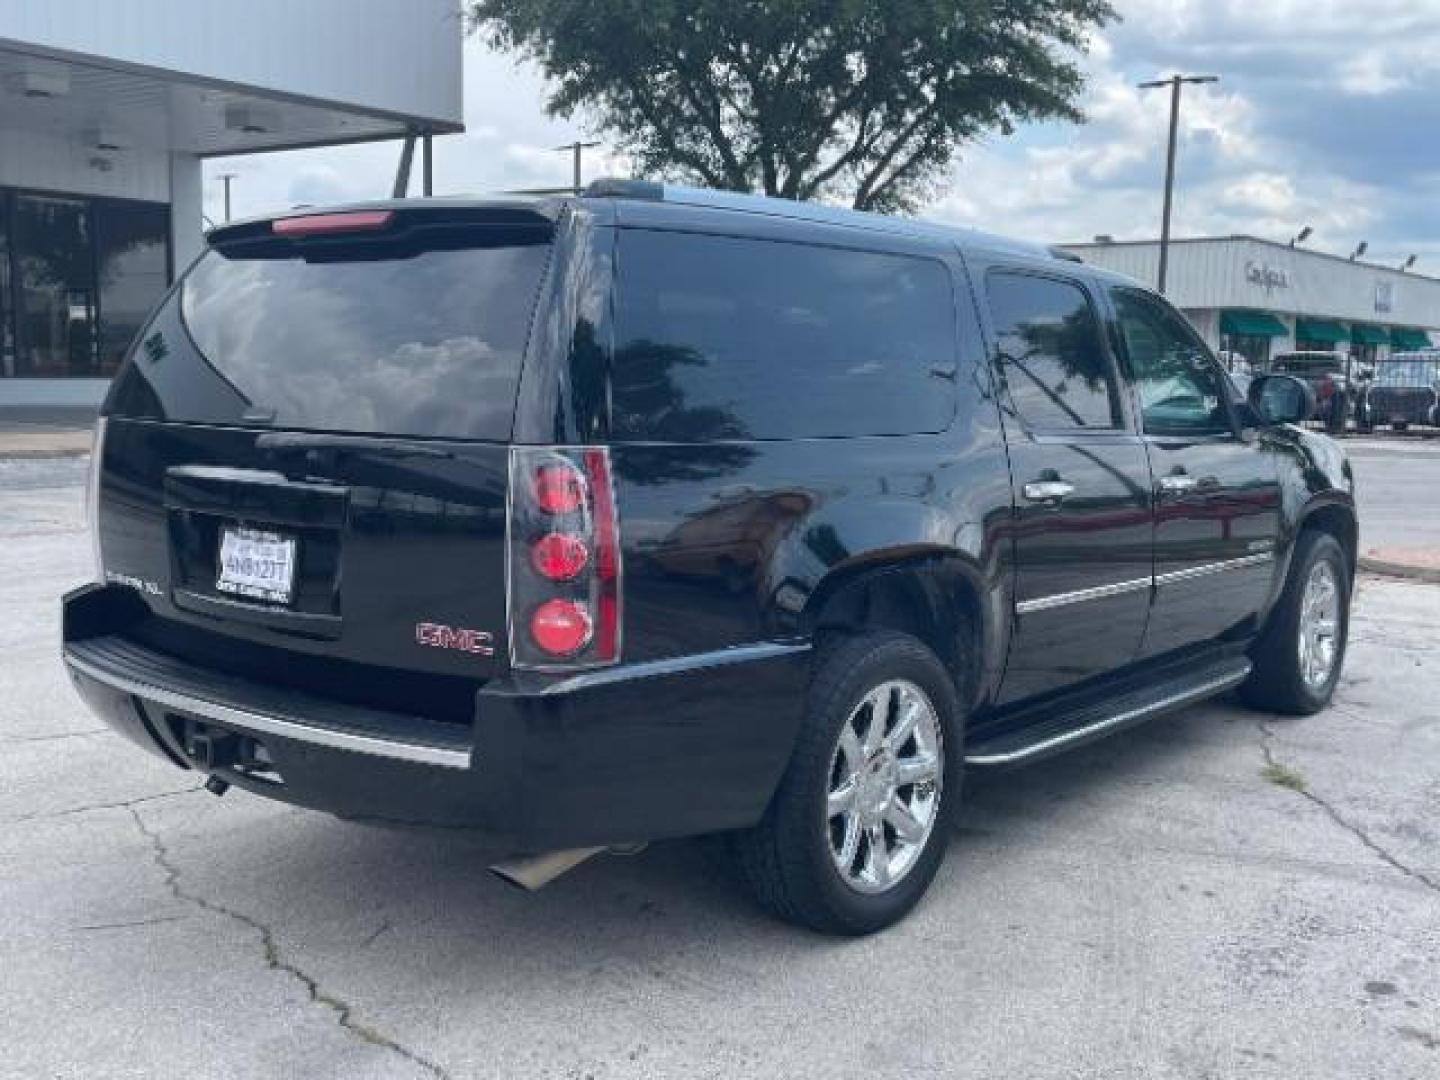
[658,512]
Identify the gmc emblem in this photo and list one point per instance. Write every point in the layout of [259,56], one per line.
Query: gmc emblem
[454,637]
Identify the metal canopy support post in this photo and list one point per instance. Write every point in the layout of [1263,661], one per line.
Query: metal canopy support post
[402,174]
[427,167]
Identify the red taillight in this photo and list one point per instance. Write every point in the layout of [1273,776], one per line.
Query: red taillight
[319,224]
[561,627]
[559,488]
[559,556]
[607,555]
[565,558]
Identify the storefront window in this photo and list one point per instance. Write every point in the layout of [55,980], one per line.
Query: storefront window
[1255,350]
[133,261]
[56,272]
[7,292]
[77,277]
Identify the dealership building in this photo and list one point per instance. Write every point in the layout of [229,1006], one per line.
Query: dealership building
[1259,298]
[107,111]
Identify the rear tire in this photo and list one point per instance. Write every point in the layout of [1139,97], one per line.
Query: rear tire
[824,854]
[1301,652]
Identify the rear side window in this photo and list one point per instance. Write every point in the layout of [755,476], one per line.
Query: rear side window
[723,338]
[1049,350]
[423,336]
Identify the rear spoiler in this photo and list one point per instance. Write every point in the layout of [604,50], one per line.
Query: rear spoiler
[385,220]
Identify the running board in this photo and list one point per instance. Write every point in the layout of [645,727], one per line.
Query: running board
[1069,730]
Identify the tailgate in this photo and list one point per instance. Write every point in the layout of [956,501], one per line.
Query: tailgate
[305,463]
[398,549]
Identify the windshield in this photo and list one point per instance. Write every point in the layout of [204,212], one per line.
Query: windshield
[423,337]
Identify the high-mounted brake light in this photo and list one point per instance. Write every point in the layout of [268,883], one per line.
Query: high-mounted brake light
[565,562]
[344,222]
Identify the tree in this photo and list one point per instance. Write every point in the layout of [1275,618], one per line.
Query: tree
[867,100]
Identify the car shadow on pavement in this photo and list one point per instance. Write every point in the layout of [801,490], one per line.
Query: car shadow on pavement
[423,903]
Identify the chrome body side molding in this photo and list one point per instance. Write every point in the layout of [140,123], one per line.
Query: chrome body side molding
[1100,592]
[1079,596]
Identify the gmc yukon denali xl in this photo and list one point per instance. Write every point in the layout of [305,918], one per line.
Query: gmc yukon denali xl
[655,512]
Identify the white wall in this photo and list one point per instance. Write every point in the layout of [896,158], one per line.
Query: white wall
[53,163]
[397,56]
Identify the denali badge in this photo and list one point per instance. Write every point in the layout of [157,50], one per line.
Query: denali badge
[454,637]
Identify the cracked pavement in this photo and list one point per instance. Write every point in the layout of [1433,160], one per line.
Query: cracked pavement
[1152,906]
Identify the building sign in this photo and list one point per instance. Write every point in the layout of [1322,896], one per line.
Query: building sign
[1268,277]
[1384,297]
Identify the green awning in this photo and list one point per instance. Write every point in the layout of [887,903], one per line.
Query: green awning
[1402,337]
[1245,323]
[1331,333]
[1362,334]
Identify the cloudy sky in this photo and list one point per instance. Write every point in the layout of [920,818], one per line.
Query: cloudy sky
[1327,114]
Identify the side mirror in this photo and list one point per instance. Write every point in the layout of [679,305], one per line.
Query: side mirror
[1281,399]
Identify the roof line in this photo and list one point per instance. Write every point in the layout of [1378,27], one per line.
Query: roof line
[814,213]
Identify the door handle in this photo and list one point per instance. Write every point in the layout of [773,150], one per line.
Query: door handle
[1178,483]
[1049,490]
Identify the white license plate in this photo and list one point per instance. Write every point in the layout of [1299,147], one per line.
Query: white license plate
[257,564]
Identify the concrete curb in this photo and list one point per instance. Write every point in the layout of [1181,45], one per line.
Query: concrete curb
[7,454]
[44,444]
[1428,574]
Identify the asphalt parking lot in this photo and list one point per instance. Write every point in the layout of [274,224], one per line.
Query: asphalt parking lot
[1217,894]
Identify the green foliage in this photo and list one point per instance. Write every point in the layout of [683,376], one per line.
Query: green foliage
[862,99]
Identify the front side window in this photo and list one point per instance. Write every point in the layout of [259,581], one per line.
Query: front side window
[722,338]
[1181,390]
[1050,353]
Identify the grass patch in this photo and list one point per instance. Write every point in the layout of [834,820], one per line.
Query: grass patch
[1282,777]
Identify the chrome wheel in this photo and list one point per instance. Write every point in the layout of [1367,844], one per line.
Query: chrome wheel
[886,775]
[1319,626]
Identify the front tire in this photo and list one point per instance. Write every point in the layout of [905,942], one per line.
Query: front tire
[1302,650]
[860,822]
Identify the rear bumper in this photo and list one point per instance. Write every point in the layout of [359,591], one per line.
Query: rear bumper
[637,752]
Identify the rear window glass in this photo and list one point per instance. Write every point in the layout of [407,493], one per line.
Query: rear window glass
[725,338]
[423,337]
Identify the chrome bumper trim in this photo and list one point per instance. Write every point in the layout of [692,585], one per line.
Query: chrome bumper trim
[274,725]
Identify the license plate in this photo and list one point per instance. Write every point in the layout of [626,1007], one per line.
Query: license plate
[257,564]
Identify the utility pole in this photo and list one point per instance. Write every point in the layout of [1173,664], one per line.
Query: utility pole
[575,149]
[1174,83]
[226,178]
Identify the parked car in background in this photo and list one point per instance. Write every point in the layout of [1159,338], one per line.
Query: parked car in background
[658,512]
[1406,390]
[1325,374]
